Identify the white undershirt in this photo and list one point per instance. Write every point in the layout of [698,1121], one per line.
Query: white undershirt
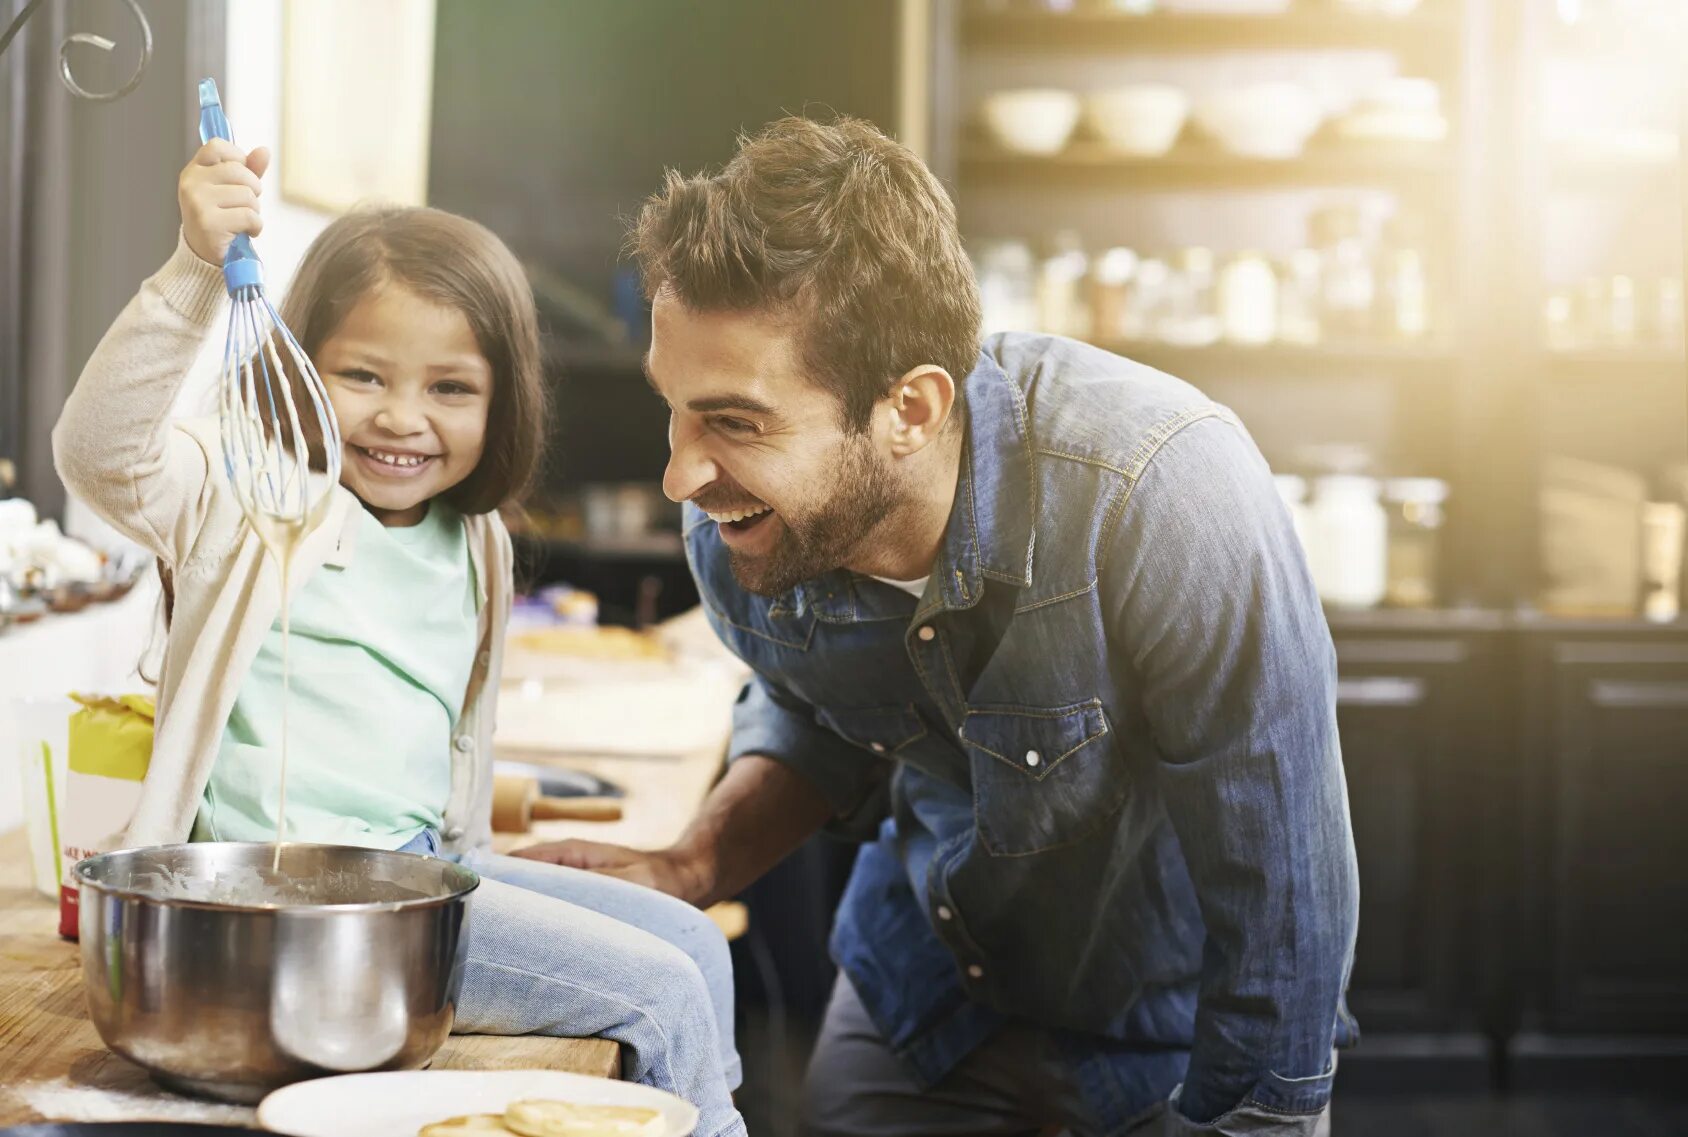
[913,587]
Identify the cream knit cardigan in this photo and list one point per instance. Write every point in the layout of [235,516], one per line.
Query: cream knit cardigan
[162,483]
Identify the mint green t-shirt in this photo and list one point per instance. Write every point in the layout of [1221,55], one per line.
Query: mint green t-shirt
[381,655]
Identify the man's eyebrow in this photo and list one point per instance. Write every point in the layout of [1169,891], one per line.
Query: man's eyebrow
[710,404]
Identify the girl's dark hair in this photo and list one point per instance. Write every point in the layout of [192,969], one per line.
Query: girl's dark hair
[460,264]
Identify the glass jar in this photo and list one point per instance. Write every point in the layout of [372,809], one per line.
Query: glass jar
[1299,298]
[1351,537]
[1662,526]
[1668,313]
[1248,300]
[1061,307]
[1349,288]
[1415,507]
[1623,318]
[1559,327]
[1191,316]
[1147,299]
[1593,312]
[1111,283]
[1403,284]
[1007,295]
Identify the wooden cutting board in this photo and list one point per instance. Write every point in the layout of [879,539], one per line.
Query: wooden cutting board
[50,1052]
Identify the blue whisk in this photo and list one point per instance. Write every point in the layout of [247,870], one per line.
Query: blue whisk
[266,442]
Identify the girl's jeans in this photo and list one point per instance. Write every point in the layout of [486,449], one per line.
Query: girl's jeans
[559,951]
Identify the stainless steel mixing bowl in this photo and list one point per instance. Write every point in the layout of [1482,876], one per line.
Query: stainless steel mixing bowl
[347,960]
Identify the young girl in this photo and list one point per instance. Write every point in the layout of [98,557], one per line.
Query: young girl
[422,327]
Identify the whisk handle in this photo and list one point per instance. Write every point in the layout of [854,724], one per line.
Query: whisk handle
[241,267]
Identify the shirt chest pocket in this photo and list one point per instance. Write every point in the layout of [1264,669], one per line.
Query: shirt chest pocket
[1043,777]
[883,730]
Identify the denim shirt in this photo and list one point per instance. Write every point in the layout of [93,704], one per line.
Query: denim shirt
[1096,762]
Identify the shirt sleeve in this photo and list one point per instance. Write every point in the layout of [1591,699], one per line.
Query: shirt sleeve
[114,445]
[770,721]
[1209,592]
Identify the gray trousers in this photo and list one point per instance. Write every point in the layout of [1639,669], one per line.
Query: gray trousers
[1015,1085]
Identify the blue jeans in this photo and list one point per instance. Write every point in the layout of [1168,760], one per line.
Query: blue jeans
[558,951]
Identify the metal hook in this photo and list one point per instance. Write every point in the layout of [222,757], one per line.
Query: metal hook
[91,40]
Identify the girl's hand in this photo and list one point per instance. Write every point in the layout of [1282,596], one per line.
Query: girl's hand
[218,192]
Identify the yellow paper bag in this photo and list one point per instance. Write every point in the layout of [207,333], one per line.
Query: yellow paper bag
[110,748]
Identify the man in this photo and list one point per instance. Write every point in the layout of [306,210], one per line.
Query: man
[1032,620]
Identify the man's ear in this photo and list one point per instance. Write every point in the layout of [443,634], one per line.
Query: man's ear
[921,403]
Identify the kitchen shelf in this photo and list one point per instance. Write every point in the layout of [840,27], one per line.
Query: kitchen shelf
[1650,365]
[1341,361]
[1655,40]
[1418,620]
[1548,623]
[1605,173]
[1426,32]
[1198,165]
[1524,618]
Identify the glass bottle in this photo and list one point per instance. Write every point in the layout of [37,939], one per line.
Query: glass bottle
[1111,283]
[1349,286]
[1191,318]
[1061,307]
[1415,534]
[1403,282]
[1248,300]
[1299,298]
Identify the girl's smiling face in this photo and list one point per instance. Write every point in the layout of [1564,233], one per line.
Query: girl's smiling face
[412,391]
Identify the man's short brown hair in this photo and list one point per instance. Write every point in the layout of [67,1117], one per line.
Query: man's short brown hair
[837,225]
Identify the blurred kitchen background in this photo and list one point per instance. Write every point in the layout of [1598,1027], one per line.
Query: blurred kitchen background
[1432,251]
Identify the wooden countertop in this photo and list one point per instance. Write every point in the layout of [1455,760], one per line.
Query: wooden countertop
[53,1065]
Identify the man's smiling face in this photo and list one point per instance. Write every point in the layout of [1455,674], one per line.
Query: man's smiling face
[761,447]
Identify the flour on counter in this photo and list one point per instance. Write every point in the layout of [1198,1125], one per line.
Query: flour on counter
[63,1100]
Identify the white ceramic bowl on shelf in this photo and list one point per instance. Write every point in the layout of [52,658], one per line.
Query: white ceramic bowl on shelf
[1271,120]
[1228,7]
[1031,120]
[1142,120]
[1394,8]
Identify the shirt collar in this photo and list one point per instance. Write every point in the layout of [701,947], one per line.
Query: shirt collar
[990,532]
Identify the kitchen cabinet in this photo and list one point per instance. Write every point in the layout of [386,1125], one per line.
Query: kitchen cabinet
[1518,787]
[1421,746]
[1603,781]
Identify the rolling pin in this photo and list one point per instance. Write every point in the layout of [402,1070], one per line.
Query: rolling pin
[517,804]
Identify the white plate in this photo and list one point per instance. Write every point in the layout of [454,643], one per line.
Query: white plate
[399,1103]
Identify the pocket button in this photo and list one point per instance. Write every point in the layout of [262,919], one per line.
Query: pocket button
[1033,758]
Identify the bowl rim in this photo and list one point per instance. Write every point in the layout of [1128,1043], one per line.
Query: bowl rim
[84,881]
[1062,95]
[1122,90]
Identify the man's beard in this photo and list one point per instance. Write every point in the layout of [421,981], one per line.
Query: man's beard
[823,538]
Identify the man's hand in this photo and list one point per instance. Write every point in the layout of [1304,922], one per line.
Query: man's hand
[665,870]
[757,813]
[218,193]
